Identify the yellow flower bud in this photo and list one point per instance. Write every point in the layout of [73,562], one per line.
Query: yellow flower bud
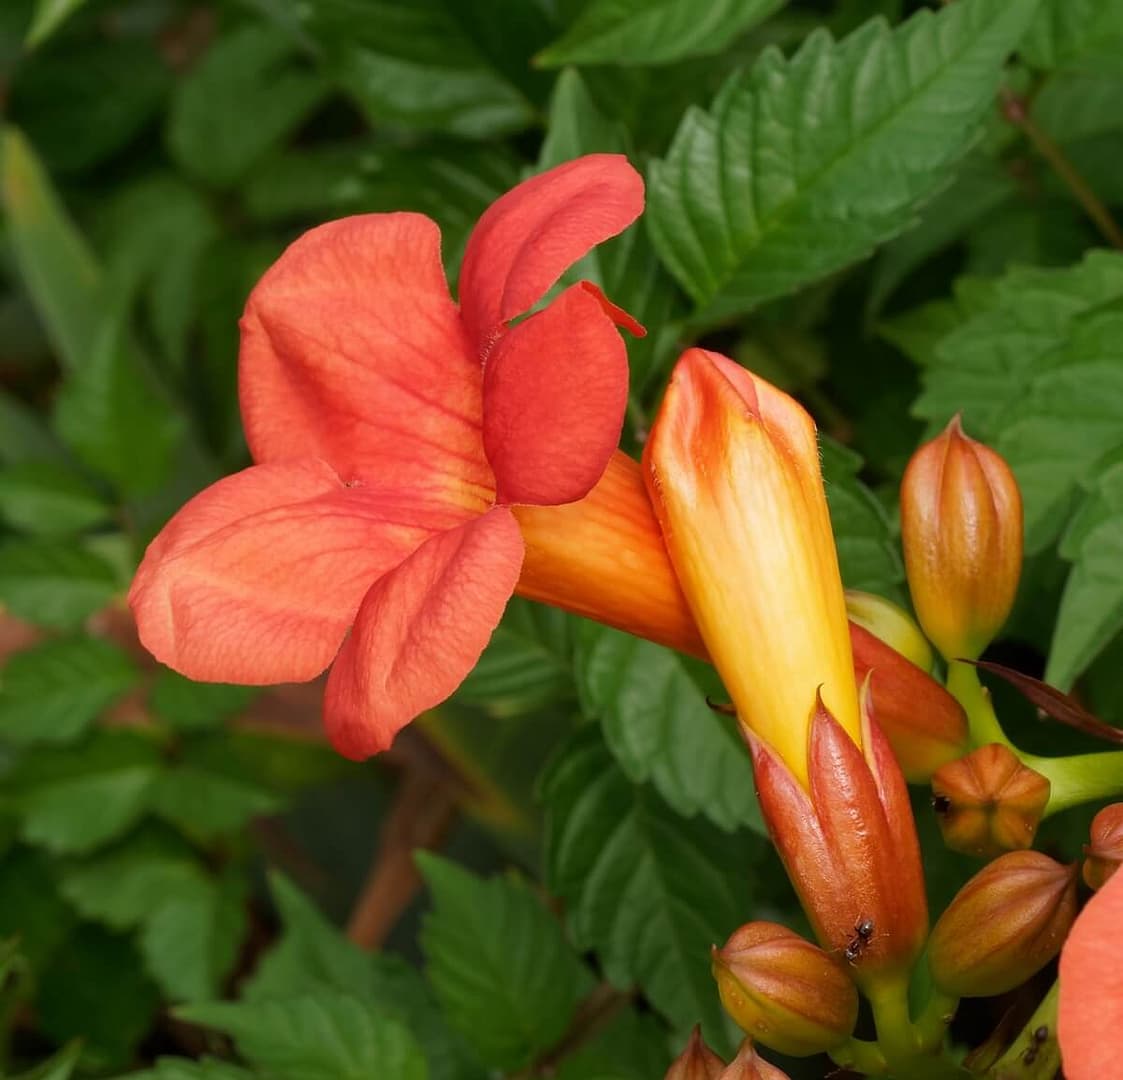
[891,624]
[961,528]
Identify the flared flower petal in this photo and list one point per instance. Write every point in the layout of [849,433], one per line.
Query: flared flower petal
[420,630]
[256,579]
[555,390]
[353,351]
[1090,1013]
[525,240]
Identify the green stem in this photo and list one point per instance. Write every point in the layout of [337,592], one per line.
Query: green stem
[1079,779]
[932,1024]
[1030,1057]
[859,1055]
[909,1048]
[963,684]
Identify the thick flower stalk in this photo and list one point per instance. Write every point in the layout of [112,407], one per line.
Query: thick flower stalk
[393,431]
[733,470]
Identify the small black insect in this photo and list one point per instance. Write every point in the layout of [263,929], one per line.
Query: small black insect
[1040,1034]
[941,804]
[863,931]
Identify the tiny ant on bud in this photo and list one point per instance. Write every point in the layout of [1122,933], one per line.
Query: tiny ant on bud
[863,931]
[941,804]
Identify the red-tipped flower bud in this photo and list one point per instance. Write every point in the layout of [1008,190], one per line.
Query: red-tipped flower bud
[749,1065]
[988,802]
[783,991]
[1004,925]
[849,845]
[1105,852]
[696,1062]
[961,528]
[924,724]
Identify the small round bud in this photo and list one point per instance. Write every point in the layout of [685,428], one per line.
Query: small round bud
[1105,852]
[891,624]
[988,802]
[1003,926]
[696,1062]
[783,991]
[961,530]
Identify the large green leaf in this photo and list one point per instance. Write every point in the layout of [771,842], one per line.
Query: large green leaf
[321,1036]
[788,177]
[53,583]
[653,31]
[205,804]
[53,692]
[194,706]
[499,964]
[660,728]
[1091,612]
[244,97]
[649,891]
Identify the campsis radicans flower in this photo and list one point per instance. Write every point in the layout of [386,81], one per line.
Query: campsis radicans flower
[1090,1007]
[393,430]
[961,529]
[733,473]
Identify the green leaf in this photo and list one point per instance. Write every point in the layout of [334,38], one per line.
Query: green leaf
[58,1066]
[205,804]
[312,954]
[31,908]
[653,31]
[171,1068]
[97,990]
[190,941]
[660,729]
[919,331]
[112,415]
[1077,105]
[863,533]
[49,500]
[26,438]
[785,180]
[53,259]
[1091,612]
[632,1047]
[498,962]
[325,1036]
[54,691]
[647,890]
[413,64]
[49,16]
[576,126]
[981,367]
[75,129]
[1085,33]
[245,96]
[194,706]
[75,799]
[53,583]
[526,665]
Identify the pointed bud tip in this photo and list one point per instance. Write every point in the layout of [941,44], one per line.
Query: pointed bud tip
[696,1062]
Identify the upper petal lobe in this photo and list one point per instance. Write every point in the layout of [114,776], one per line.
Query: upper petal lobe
[353,351]
[525,240]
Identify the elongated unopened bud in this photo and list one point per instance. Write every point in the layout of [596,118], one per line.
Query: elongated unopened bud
[749,1065]
[1004,925]
[1104,854]
[696,1062]
[783,991]
[961,529]
[924,724]
[988,802]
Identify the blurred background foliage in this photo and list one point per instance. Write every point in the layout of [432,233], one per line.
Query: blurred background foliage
[176,858]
